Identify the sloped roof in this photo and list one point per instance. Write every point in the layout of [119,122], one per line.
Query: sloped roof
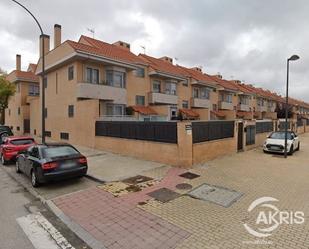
[105,49]
[32,67]
[227,85]
[199,76]
[17,75]
[145,110]
[189,113]
[160,65]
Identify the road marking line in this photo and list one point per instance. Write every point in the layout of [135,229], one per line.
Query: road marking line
[50,231]
[39,238]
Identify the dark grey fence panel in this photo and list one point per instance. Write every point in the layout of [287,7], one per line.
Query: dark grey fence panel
[282,126]
[262,127]
[300,122]
[212,130]
[250,135]
[151,131]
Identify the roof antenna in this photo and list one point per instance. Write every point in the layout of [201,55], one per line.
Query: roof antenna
[144,48]
[92,31]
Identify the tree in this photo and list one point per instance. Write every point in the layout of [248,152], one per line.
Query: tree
[7,89]
[2,72]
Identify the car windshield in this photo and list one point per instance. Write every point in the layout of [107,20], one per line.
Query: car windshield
[280,135]
[22,141]
[59,151]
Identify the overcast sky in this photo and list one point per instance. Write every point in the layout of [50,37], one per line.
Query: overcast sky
[248,40]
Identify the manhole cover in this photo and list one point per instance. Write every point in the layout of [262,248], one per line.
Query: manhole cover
[218,195]
[164,194]
[189,175]
[183,186]
[137,179]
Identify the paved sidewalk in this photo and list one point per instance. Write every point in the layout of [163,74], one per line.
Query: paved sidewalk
[124,215]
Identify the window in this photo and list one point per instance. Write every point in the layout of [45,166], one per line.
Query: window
[71,72]
[195,93]
[18,128]
[115,78]
[140,72]
[47,133]
[205,93]
[115,109]
[92,75]
[185,83]
[34,152]
[214,107]
[17,87]
[170,88]
[156,86]
[71,111]
[9,112]
[18,111]
[173,112]
[33,90]
[45,113]
[244,100]
[139,100]
[185,104]
[226,97]
[64,135]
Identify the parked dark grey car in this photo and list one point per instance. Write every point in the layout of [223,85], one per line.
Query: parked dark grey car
[51,161]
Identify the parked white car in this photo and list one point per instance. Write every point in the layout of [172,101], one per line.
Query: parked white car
[275,142]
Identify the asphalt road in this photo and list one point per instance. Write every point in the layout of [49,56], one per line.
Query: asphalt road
[13,199]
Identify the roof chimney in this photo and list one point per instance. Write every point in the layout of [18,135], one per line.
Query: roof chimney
[167,59]
[44,38]
[57,35]
[199,69]
[219,76]
[18,62]
[123,45]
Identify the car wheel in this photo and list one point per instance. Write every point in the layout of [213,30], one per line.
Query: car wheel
[34,179]
[17,167]
[291,151]
[3,161]
[298,148]
[265,151]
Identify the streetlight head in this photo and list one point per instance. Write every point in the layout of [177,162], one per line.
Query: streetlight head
[294,57]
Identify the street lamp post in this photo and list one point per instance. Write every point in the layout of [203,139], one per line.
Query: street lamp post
[43,68]
[292,58]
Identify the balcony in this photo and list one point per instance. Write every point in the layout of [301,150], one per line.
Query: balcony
[200,103]
[102,92]
[271,109]
[226,106]
[162,98]
[244,107]
[261,108]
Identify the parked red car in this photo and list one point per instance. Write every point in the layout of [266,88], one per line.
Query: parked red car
[12,145]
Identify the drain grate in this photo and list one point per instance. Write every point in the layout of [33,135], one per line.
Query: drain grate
[183,186]
[218,195]
[164,195]
[137,179]
[189,175]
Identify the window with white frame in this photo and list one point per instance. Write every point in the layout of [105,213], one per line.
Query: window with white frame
[140,72]
[244,100]
[205,93]
[92,75]
[33,90]
[115,109]
[156,86]
[139,100]
[185,104]
[195,93]
[170,87]
[115,78]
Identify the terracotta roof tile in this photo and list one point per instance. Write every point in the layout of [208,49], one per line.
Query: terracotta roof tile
[189,113]
[145,110]
[23,75]
[224,83]
[101,48]
[218,114]
[199,76]
[162,66]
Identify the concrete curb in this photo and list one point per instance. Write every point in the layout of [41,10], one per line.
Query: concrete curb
[73,226]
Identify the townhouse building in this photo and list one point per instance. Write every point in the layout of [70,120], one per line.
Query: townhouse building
[26,98]
[91,80]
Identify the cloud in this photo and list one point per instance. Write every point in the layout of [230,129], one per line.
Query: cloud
[246,40]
